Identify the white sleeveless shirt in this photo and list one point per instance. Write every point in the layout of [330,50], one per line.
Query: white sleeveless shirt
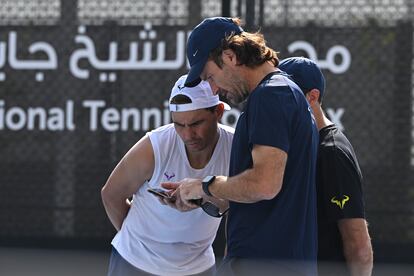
[159,239]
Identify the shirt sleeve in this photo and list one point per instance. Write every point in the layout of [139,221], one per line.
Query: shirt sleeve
[340,185]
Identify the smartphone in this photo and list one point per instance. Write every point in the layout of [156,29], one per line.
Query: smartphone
[159,192]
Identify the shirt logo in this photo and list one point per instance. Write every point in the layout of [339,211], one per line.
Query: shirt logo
[195,53]
[169,177]
[340,202]
[180,87]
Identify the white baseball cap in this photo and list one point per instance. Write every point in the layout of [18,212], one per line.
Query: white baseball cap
[201,96]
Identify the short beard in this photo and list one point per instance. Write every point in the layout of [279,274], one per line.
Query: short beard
[244,94]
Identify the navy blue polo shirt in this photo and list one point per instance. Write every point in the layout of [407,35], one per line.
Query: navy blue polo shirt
[284,228]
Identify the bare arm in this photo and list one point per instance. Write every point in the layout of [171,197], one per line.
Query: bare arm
[263,181]
[357,246]
[131,172]
[180,205]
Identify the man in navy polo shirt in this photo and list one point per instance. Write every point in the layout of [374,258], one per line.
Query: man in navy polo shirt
[271,184]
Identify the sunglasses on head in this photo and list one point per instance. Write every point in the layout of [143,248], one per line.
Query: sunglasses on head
[210,208]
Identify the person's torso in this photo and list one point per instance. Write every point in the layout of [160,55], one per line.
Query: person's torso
[277,115]
[339,191]
[158,238]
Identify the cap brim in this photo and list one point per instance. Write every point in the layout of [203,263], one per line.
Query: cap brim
[193,77]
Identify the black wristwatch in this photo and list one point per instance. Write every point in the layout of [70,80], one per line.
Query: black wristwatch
[206,182]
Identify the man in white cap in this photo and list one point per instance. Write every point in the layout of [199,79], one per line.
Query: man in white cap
[153,238]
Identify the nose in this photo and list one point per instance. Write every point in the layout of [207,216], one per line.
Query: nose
[214,87]
[188,133]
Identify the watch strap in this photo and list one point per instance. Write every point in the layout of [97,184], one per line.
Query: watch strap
[206,183]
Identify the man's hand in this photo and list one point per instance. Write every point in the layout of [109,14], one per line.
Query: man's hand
[185,192]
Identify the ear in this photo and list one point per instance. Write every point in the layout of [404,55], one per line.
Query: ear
[219,111]
[229,56]
[313,96]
